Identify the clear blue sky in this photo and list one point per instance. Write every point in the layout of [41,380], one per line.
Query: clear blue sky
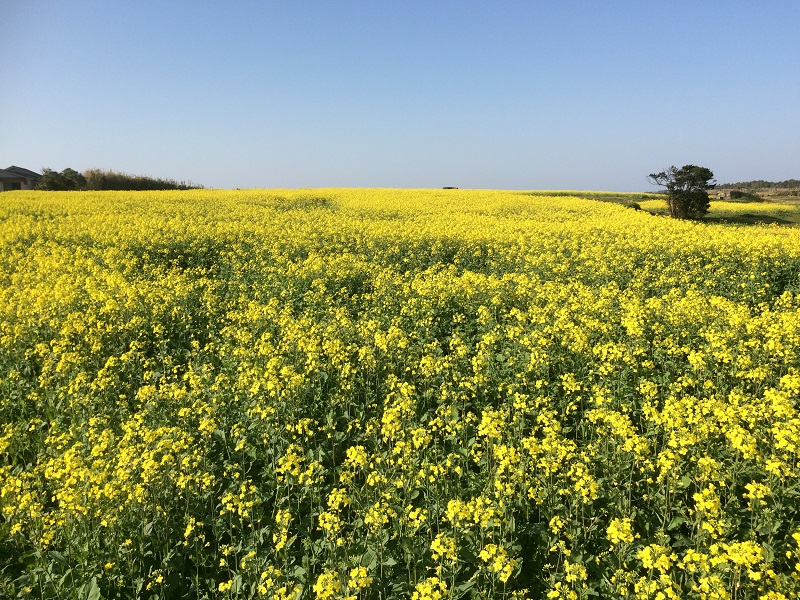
[554,94]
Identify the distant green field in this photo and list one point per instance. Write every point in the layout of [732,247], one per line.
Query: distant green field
[745,213]
[723,212]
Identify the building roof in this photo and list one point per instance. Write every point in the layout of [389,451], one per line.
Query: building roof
[6,175]
[20,172]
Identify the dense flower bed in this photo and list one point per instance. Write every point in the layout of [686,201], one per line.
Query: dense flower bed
[394,394]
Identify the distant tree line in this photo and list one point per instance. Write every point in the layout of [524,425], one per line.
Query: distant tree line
[758,184]
[98,179]
[68,179]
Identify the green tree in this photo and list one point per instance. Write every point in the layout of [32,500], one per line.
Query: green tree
[68,179]
[74,180]
[687,190]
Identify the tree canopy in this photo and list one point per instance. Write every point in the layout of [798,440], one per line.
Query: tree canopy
[68,179]
[687,189]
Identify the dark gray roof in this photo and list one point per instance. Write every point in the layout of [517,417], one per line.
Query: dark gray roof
[6,175]
[19,171]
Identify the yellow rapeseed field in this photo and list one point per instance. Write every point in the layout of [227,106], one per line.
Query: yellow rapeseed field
[385,394]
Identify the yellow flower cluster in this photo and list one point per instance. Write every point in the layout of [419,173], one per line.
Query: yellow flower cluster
[443,547]
[620,531]
[497,561]
[432,588]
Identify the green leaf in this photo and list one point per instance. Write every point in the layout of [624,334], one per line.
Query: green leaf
[676,522]
[92,590]
[67,575]
[58,557]
[769,528]
[769,553]
[369,559]
[463,587]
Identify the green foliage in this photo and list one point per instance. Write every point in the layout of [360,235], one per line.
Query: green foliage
[736,196]
[68,179]
[687,195]
[98,179]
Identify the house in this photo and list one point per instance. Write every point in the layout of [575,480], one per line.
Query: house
[17,178]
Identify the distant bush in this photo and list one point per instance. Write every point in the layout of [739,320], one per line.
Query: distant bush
[97,179]
[740,196]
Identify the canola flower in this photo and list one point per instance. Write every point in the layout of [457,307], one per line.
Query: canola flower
[388,394]
[620,531]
